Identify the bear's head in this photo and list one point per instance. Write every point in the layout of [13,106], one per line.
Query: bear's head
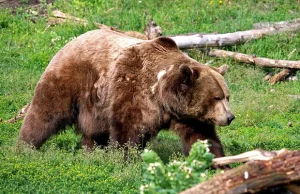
[196,92]
[187,89]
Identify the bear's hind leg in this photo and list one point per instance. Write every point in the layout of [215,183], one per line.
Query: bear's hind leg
[38,126]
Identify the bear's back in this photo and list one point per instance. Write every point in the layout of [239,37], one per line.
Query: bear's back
[99,48]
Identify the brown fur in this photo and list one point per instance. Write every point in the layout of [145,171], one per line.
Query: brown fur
[124,89]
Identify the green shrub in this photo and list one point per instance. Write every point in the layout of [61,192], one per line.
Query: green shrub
[176,175]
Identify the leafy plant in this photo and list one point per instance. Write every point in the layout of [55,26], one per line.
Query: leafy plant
[176,175]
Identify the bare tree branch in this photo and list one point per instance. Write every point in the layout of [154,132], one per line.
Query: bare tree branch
[20,115]
[250,59]
[281,76]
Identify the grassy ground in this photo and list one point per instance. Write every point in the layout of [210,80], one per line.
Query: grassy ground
[262,111]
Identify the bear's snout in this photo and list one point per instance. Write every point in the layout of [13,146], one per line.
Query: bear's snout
[230,119]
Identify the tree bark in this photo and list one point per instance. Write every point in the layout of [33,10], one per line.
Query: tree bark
[282,168]
[229,39]
[251,59]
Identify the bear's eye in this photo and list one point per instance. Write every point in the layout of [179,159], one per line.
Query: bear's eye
[227,98]
[217,98]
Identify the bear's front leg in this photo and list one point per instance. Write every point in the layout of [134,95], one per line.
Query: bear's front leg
[192,130]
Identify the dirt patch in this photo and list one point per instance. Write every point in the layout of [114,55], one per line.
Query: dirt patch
[16,3]
[10,3]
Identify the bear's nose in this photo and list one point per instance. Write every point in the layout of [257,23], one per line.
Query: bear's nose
[229,119]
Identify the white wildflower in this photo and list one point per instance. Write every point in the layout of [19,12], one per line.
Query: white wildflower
[142,189]
[205,142]
[157,164]
[187,169]
[207,149]
[151,168]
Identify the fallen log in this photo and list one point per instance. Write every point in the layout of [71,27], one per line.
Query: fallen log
[275,24]
[281,168]
[252,59]
[60,17]
[294,96]
[230,39]
[152,30]
[281,76]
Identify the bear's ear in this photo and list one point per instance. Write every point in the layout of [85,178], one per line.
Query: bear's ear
[166,42]
[221,70]
[189,75]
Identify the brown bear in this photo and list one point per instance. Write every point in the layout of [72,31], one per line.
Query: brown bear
[121,89]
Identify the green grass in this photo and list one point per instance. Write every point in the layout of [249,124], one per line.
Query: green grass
[61,166]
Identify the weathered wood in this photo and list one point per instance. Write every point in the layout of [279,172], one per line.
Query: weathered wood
[60,17]
[152,30]
[275,24]
[252,59]
[281,76]
[281,169]
[20,115]
[294,96]
[245,157]
[229,39]
[268,76]
[63,17]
